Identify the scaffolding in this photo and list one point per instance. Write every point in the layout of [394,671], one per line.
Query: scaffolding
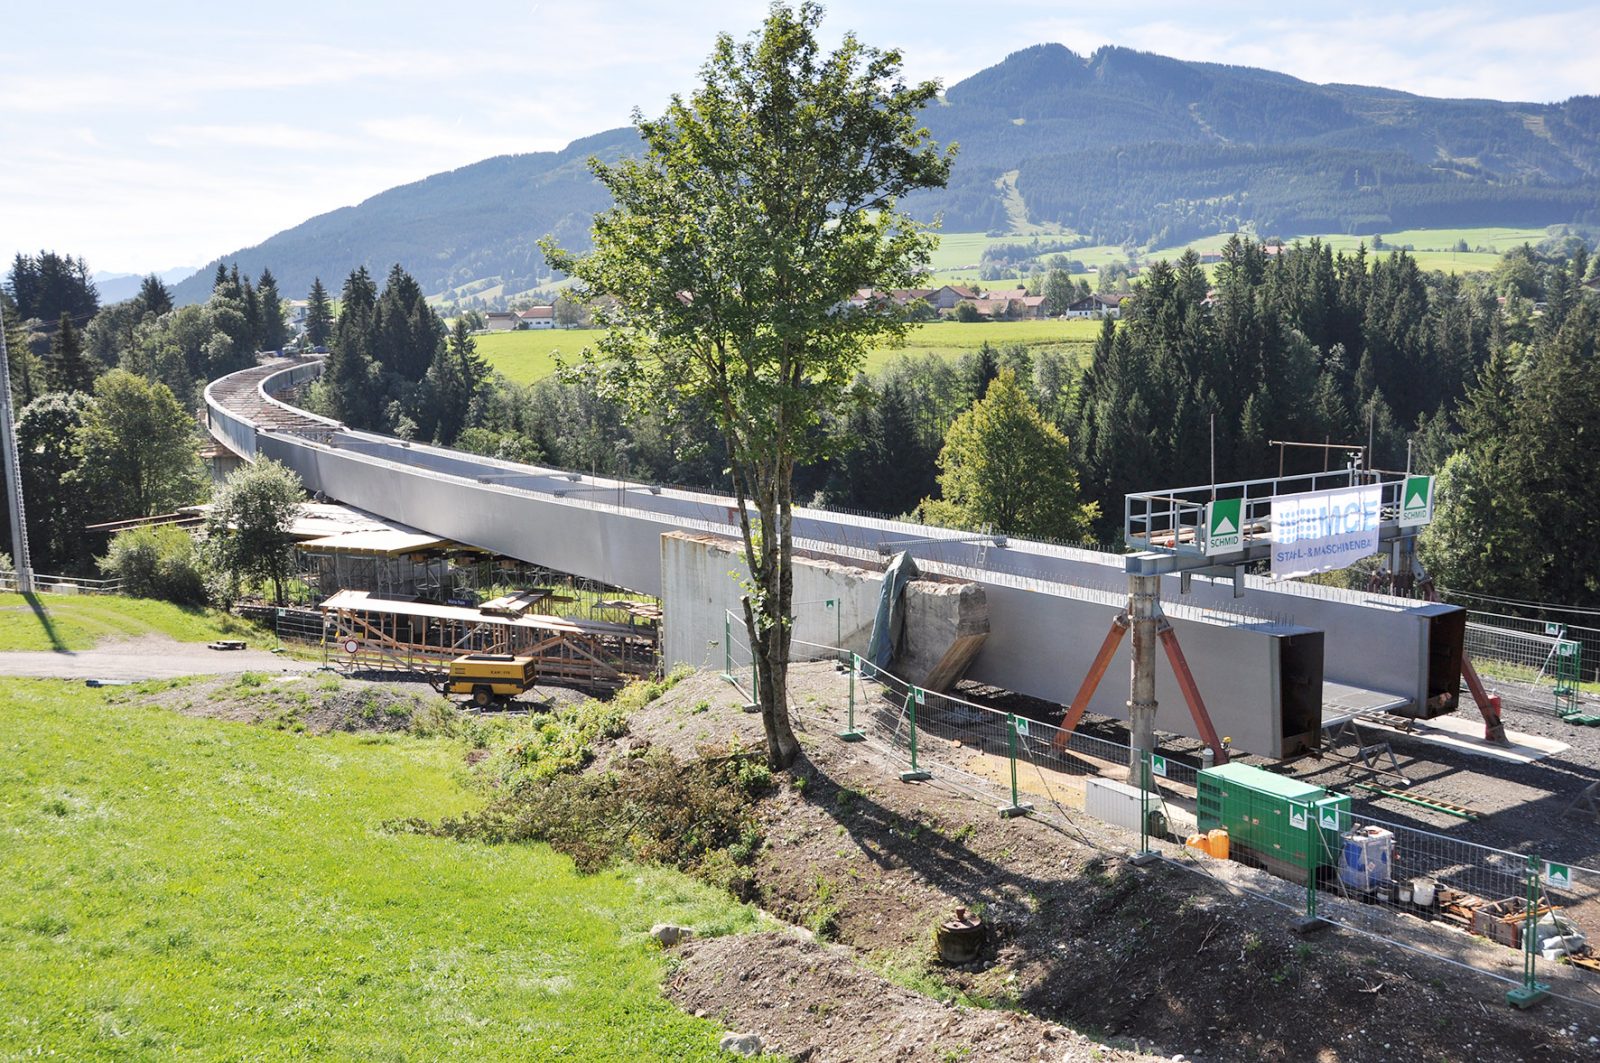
[370,633]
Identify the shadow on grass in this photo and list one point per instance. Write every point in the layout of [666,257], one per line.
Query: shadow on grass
[43,616]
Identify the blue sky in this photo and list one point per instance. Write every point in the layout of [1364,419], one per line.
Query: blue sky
[147,136]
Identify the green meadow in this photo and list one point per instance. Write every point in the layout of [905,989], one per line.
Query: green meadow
[527,356]
[183,888]
[77,622]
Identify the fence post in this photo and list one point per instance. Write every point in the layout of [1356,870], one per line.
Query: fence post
[1015,808]
[916,774]
[1143,772]
[1312,847]
[1531,991]
[850,734]
[727,647]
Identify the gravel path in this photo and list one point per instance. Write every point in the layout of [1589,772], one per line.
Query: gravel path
[149,657]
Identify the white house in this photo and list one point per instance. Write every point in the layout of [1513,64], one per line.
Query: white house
[537,317]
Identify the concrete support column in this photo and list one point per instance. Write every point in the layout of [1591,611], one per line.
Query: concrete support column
[1143,610]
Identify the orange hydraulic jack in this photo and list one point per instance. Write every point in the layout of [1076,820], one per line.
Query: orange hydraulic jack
[1489,704]
[1494,730]
[1180,668]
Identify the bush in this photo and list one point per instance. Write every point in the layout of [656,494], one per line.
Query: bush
[697,816]
[157,562]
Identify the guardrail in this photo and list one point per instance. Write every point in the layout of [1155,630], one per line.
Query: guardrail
[62,584]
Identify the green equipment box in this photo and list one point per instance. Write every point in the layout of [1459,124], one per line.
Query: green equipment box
[1291,827]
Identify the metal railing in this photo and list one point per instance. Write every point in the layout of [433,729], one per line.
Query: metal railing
[46,584]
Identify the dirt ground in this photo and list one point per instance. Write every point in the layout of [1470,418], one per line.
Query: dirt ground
[816,1003]
[1178,961]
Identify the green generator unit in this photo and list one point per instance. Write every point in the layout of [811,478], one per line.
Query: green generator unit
[1289,827]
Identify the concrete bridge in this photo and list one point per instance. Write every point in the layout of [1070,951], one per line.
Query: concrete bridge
[1271,663]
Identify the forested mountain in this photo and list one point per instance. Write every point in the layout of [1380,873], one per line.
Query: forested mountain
[1119,145]
[479,221]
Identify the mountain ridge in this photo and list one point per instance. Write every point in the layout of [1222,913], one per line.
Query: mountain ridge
[1121,145]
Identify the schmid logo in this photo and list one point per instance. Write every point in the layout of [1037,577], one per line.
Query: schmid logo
[1222,525]
[1416,501]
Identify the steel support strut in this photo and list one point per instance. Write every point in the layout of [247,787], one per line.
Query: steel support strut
[1191,692]
[1488,704]
[1091,682]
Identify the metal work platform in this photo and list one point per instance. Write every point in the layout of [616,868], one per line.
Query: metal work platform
[1172,524]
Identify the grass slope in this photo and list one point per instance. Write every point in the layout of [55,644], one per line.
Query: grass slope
[200,889]
[68,622]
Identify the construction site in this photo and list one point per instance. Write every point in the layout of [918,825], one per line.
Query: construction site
[1451,755]
[1407,769]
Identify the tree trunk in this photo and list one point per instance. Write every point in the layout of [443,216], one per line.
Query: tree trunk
[767,619]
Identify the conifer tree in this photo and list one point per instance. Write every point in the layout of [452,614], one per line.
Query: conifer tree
[319,315]
[70,368]
[154,297]
[273,331]
[350,370]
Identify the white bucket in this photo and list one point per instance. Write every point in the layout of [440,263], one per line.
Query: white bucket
[1422,892]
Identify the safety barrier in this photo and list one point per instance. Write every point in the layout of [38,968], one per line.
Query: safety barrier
[1294,844]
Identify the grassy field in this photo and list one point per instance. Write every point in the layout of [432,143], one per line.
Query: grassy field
[951,339]
[525,357]
[206,890]
[528,355]
[69,622]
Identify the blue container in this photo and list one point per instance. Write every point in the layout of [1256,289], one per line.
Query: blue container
[1367,858]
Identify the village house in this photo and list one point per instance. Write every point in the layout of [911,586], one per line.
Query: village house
[500,321]
[540,317]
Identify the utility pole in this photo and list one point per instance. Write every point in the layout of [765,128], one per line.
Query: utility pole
[19,525]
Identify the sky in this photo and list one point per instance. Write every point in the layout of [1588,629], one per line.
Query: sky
[150,136]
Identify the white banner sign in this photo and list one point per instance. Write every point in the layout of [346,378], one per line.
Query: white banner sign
[1323,530]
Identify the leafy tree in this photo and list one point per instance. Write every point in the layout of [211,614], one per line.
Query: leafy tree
[138,450]
[760,206]
[319,315]
[1005,467]
[27,371]
[1059,291]
[70,368]
[274,333]
[157,562]
[249,525]
[47,433]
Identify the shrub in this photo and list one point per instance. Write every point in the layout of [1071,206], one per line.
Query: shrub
[157,562]
[697,816]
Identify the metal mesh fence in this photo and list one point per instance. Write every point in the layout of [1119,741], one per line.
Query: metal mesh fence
[1290,842]
[1533,666]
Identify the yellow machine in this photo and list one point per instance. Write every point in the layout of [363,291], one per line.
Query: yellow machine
[490,677]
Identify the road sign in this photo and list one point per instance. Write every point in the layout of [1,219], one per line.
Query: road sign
[1223,518]
[351,645]
[1558,875]
[1022,727]
[1416,501]
[1158,765]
